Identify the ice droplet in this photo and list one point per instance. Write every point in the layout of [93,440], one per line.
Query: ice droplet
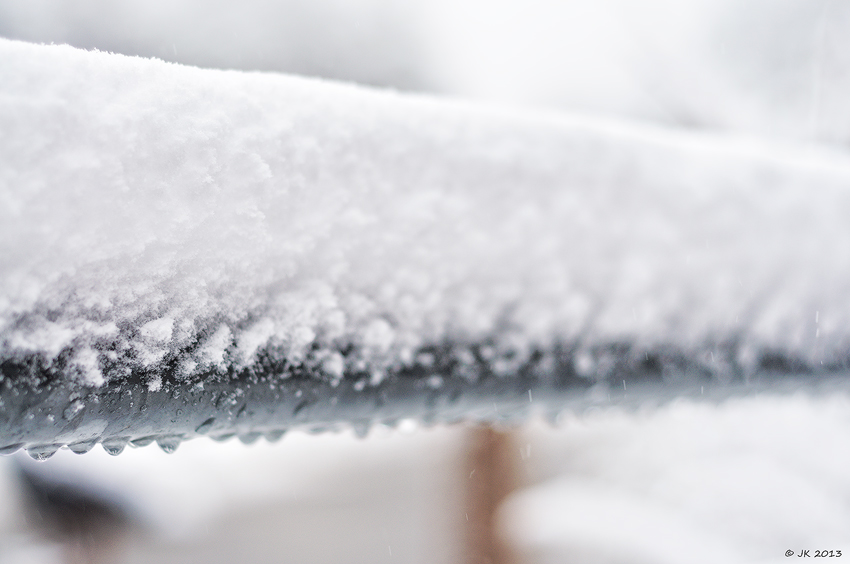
[204,427]
[9,449]
[249,438]
[274,436]
[169,443]
[115,445]
[361,428]
[82,447]
[142,442]
[42,452]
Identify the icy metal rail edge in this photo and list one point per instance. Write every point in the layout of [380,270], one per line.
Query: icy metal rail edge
[44,417]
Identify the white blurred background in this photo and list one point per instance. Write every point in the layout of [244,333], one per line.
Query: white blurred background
[777,68]
[742,481]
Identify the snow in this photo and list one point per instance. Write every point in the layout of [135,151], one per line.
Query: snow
[155,213]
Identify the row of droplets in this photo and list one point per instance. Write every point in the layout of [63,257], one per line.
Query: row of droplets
[116,445]
[170,443]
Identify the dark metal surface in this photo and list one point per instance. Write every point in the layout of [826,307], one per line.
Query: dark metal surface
[46,412]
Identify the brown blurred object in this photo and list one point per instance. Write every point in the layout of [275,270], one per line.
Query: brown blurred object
[90,529]
[492,475]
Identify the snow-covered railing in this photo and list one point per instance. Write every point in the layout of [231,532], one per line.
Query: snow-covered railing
[190,251]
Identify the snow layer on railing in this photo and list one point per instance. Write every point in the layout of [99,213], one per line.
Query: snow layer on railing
[164,220]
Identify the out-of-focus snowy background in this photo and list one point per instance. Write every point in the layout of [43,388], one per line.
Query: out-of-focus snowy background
[742,481]
[764,67]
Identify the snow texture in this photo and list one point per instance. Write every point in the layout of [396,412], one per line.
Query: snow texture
[167,221]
